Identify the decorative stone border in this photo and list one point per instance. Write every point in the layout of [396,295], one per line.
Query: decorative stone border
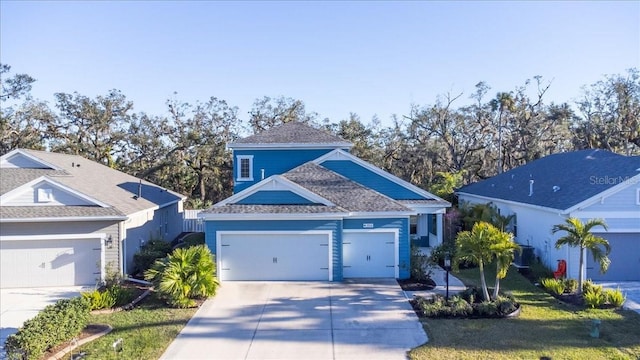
[60,354]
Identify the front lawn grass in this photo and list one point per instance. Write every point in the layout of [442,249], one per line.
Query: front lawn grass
[146,331]
[546,328]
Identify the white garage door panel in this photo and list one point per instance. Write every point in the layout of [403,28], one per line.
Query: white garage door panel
[369,255]
[274,257]
[624,256]
[37,263]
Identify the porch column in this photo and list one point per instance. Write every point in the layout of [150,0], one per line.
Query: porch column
[423,225]
[439,228]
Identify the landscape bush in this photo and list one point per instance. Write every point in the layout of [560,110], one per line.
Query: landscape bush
[184,275]
[52,326]
[419,265]
[614,297]
[570,285]
[110,297]
[594,298]
[462,306]
[554,286]
[151,251]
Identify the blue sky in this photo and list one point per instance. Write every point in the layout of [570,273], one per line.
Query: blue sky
[338,57]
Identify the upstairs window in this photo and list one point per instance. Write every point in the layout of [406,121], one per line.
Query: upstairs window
[45,195]
[245,167]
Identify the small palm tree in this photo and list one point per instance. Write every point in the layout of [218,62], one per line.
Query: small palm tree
[184,275]
[475,246]
[579,235]
[503,248]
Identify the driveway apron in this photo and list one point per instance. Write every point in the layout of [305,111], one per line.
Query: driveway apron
[365,319]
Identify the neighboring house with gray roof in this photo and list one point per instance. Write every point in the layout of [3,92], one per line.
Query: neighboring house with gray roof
[585,184]
[67,220]
[304,208]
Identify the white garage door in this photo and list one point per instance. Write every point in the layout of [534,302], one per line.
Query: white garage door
[273,256]
[37,263]
[624,256]
[369,254]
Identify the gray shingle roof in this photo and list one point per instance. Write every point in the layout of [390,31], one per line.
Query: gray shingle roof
[577,176]
[341,191]
[292,133]
[346,195]
[13,178]
[24,212]
[109,186]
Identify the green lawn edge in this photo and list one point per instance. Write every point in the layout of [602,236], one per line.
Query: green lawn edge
[546,327]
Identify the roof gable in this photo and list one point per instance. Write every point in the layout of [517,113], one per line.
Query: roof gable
[20,159]
[373,177]
[278,184]
[95,181]
[293,134]
[43,191]
[560,181]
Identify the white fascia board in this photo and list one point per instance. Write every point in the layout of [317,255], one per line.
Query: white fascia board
[53,237]
[619,231]
[537,207]
[427,209]
[19,190]
[605,194]
[380,215]
[290,146]
[245,217]
[11,153]
[343,155]
[606,214]
[63,219]
[276,182]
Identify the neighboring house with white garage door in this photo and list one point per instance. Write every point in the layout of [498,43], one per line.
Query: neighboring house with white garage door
[65,219]
[304,208]
[584,184]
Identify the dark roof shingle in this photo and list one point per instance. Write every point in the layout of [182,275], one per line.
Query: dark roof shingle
[292,133]
[560,181]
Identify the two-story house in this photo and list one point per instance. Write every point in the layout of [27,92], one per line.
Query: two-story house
[304,208]
[584,184]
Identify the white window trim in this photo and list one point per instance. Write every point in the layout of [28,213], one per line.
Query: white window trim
[239,159]
[638,196]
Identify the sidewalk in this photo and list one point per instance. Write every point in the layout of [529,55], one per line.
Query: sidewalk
[439,275]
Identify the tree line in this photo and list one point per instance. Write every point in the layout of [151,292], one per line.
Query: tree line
[437,146]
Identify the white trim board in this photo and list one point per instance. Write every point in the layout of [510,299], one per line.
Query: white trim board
[8,196]
[5,158]
[53,237]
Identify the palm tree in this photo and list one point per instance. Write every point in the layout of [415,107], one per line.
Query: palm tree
[475,246]
[503,249]
[579,235]
[184,275]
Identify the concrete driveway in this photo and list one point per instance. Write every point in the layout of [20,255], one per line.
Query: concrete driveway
[19,305]
[630,288]
[301,320]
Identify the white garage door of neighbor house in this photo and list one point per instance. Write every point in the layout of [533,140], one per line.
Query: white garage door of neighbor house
[624,256]
[368,254]
[282,256]
[39,263]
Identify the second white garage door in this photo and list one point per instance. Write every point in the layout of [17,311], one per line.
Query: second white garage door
[369,254]
[273,256]
[55,262]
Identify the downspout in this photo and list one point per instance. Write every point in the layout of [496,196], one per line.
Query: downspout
[123,249]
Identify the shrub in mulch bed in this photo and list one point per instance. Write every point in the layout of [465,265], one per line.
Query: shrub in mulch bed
[465,305]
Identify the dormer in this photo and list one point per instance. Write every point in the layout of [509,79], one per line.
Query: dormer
[278,150]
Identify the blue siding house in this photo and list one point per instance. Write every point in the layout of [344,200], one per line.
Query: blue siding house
[304,208]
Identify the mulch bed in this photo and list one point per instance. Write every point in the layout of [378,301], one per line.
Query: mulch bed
[416,285]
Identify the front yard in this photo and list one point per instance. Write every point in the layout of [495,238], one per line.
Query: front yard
[146,331]
[546,328]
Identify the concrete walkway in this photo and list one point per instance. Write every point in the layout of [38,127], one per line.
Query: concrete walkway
[366,319]
[439,275]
